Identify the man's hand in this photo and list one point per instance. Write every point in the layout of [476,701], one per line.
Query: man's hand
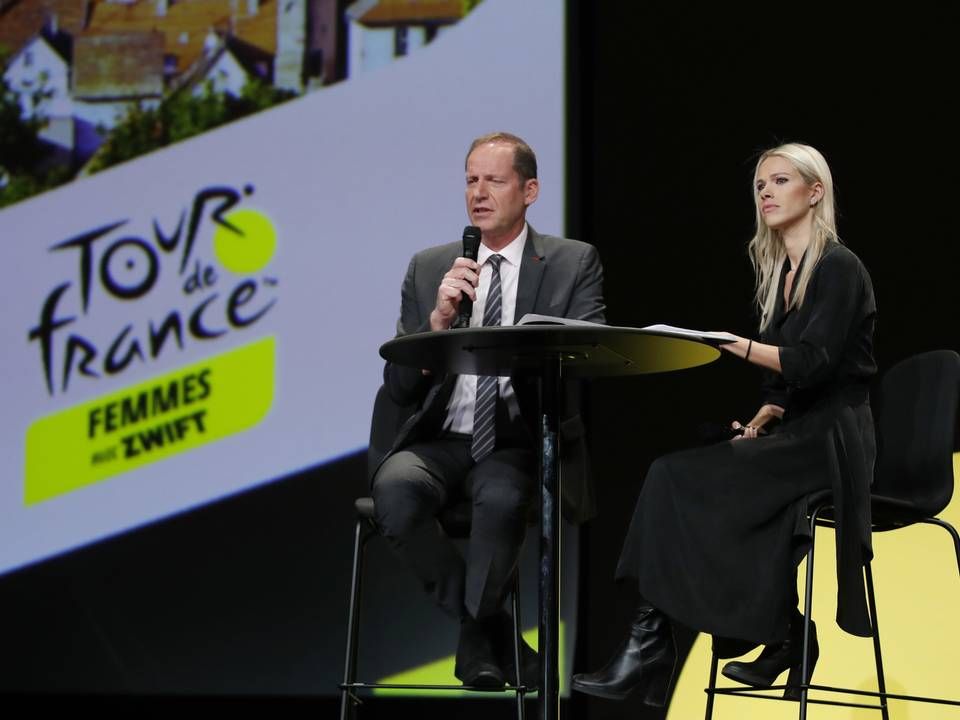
[462,277]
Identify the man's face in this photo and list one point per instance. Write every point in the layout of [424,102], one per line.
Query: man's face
[497,198]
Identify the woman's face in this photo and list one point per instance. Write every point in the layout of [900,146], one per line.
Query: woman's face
[783,197]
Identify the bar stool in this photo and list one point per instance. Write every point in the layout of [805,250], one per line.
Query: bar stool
[455,521]
[916,415]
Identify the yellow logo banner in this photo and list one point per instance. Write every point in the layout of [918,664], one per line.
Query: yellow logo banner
[150,421]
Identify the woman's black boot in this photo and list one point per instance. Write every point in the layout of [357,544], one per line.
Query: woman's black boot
[786,655]
[645,662]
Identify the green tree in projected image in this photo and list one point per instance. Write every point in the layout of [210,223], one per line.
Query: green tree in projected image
[23,171]
[25,166]
[179,117]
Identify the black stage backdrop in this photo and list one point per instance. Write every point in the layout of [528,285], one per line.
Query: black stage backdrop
[668,110]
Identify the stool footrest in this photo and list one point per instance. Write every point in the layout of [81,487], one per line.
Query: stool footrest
[470,688]
[747,691]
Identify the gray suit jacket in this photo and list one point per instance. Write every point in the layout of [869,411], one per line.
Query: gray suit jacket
[558,277]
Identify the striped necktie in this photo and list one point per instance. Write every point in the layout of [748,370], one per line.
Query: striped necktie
[488,386]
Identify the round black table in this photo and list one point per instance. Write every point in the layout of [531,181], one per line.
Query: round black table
[551,353]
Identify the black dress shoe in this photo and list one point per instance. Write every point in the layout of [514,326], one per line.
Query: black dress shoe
[480,675]
[645,662]
[775,658]
[476,664]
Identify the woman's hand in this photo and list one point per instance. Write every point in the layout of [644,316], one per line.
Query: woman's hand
[749,431]
[766,414]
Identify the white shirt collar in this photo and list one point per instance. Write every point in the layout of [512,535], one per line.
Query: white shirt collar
[512,253]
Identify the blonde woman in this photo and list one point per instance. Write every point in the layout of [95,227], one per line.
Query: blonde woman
[718,531]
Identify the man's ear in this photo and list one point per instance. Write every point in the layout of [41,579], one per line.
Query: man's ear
[531,190]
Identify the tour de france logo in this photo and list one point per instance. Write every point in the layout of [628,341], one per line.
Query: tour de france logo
[212,268]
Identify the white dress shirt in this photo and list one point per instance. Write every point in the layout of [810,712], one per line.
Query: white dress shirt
[460,408]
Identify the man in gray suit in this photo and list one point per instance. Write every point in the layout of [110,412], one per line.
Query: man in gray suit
[443,451]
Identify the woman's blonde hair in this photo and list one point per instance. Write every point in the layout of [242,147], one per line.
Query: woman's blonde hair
[766,249]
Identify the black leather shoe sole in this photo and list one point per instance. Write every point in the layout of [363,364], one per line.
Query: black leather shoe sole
[598,690]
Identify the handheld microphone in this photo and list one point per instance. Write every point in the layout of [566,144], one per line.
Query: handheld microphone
[471,246]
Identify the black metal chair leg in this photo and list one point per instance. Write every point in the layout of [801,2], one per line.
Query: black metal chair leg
[881,683]
[807,614]
[347,699]
[953,533]
[517,640]
[713,683]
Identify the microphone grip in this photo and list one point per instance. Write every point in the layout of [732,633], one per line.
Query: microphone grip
[471,247]
[466,310]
